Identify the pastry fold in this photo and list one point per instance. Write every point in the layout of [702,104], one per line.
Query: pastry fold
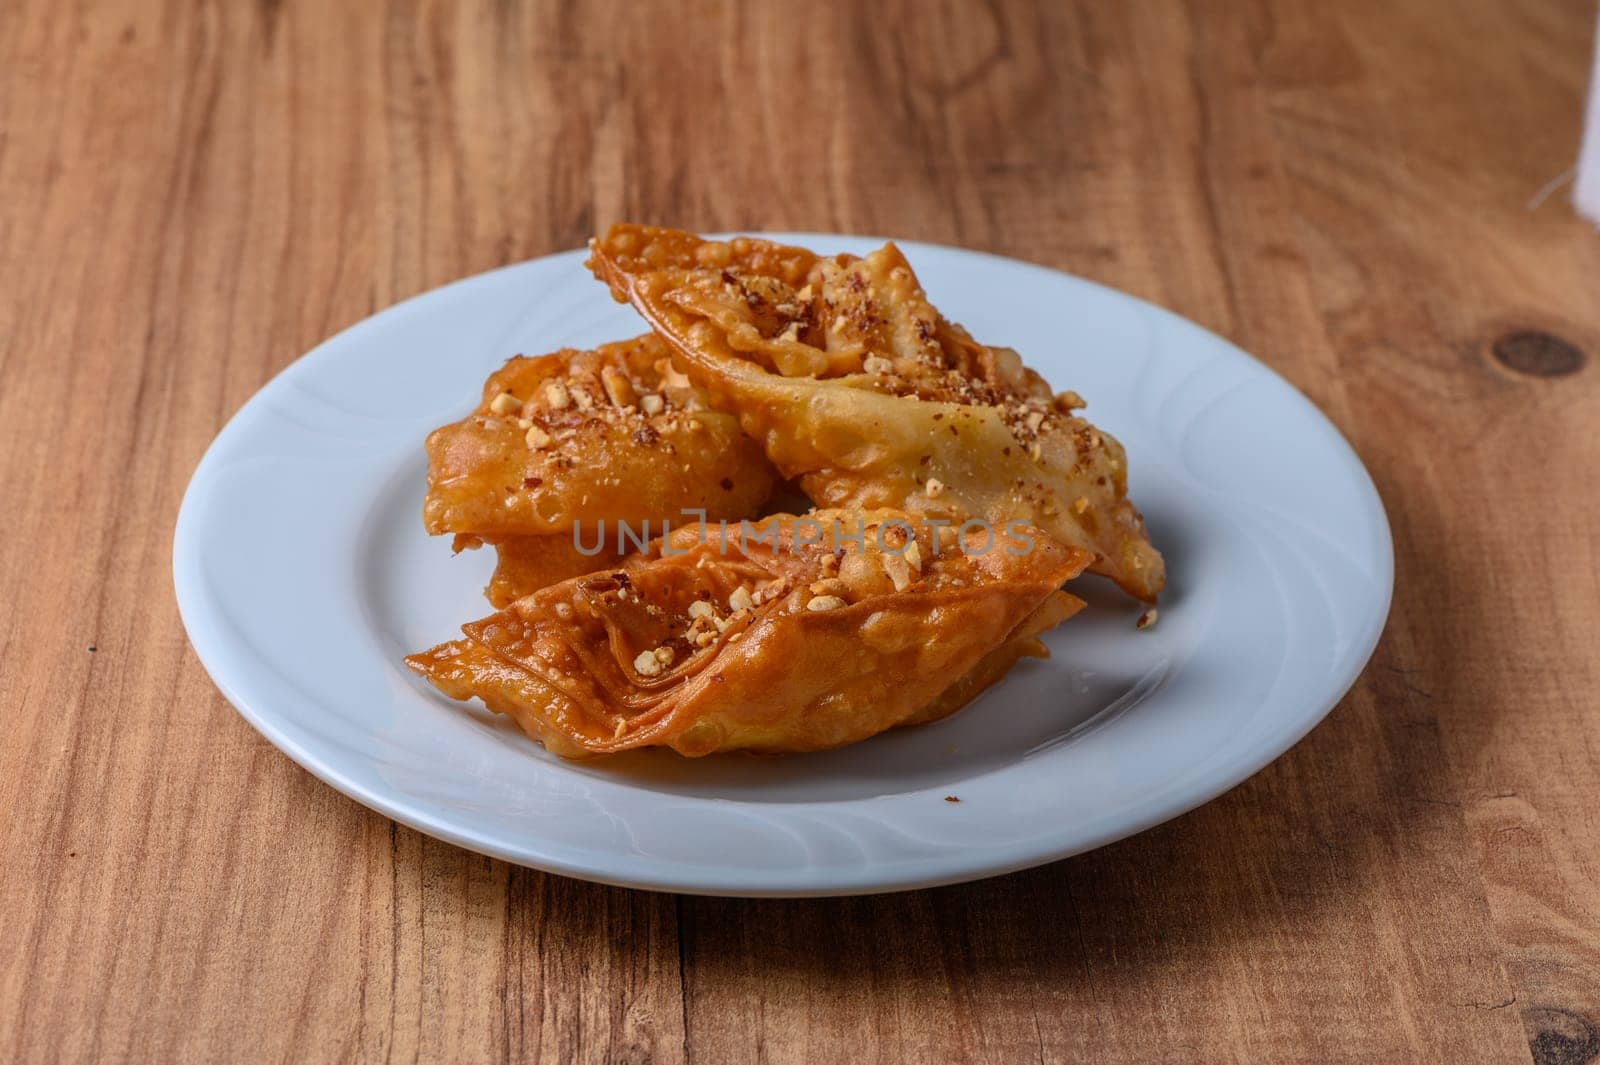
[585,439]
[857,387]
[781,635]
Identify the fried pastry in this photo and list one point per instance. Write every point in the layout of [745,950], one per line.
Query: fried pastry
[783,635]
[590,438]
[859,389]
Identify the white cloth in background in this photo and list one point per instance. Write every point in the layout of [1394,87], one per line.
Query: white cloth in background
[1586,192]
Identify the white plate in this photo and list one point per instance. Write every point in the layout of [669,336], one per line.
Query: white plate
[303,575]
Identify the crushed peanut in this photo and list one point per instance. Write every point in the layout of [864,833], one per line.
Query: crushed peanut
[1035,419]
[913,556]
[740,599]
[1147,619]
[556,394]
[505,403]
[1080,505]
[824,602]
[537,437]
[898,569]
[876,364]
[618,388]
[652,404]
[829,586]
[646,664]
[934,488]
[665,655]
[702,609]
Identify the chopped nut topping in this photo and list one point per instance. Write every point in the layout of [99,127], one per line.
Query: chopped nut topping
[934,488]
[1147,619]
[913,556]
[618,388]
[505,403]
[740,599]
[702,609]
[1034,451]
[665,655]
[705,638]
[876,364]
[1080,505]
[524,423]
[583,398]
[670,377]
[806,294]
[829,586]
[537,437]
[652,404]
[647,665]
[825,602]
[556,394]
[1035,419]
[898,569]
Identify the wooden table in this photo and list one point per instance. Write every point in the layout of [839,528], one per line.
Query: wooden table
[193,194]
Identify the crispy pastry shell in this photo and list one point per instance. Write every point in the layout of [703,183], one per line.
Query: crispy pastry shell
[779,640]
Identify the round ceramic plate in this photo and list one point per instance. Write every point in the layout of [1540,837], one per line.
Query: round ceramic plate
[304,576]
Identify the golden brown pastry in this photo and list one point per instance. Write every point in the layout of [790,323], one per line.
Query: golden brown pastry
[585,437]
[858,388]
[787,634]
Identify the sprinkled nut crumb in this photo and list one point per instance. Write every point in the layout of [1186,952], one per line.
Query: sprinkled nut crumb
[556,394]
[524,423]
[622,726]
[537,437]
[807,294]
[740,599]
[825,602]
[898,569]
[702,609]
[1035,419]
[665,655]
[934,488]
[505,403]
[839,323]
[1147,619]
[670,377]
[1034,451]
[583,398]
[646,664]
[704,639]
[652,404]
[876,364]
[829,586]
[618,389]
[913,555]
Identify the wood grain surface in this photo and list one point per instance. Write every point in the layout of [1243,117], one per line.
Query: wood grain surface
[192,194]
